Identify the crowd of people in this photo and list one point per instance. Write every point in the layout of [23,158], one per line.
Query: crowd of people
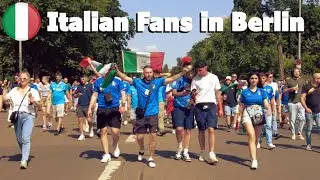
[193,98]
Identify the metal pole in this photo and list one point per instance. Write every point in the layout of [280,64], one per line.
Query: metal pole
[299,44]
[20,54]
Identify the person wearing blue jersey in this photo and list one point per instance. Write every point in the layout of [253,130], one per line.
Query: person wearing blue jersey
[253,100]
[268,126]
[284,97]
[132,101]
[147,112]
[162,100]
[183,115]
[108,113]
[58,92]
[126,114]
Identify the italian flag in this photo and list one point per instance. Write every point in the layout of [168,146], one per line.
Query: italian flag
[135,61]
[105,70]
[21,21]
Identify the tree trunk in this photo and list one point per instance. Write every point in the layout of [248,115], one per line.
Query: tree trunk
[280,55]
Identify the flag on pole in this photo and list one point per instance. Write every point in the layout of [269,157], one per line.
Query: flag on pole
[107,71]
[21,21]
[135,61]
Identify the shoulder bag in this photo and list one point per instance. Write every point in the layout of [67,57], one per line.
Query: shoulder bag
[141,111]
[15,115]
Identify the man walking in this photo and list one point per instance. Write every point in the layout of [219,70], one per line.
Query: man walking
[310,100]
[108,113]
[147,112]
[294,86]
[205,87]
[58,92]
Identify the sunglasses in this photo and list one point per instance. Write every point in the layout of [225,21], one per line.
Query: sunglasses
[23,79]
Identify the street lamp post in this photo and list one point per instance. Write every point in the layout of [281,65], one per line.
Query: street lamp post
[20,55]
[299,43]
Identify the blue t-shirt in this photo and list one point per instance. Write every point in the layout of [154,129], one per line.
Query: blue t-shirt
[276,96]
[134,97]
[58,92]
[143,90]
[249,98]
[269,90]
[162,94]
[180,85]
[86,91]
[114,88]
[284,97]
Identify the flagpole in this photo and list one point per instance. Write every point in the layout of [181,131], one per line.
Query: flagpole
[20,54]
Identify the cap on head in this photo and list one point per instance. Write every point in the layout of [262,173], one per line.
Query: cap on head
[186,60]
[228,78]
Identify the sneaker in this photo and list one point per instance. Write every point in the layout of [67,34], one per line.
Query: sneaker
[173,131]
[258,146]
[293,137]
[271,146]
[44,127]
[116,152]
[177,156]
[151,163]
[106,158]
[202,157]
[309,148]
[212,158]
[49,125]
[57,132]
[140,155]
[91,134]
[186,157]
[23,165]
[300,137]
[81,137]
[125,123]
[254,164]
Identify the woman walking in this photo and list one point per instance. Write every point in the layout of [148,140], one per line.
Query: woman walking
[253,100]
[23,99]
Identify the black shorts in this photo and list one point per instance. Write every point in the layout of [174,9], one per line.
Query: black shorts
[206,116]
[146,125]
[110,117]
[82,112]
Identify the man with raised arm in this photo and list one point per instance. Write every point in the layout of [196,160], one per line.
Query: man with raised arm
[147,112]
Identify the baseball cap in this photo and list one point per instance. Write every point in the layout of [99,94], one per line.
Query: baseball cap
[186,60]
[228,78]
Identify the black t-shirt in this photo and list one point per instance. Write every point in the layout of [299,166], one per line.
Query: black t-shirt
[86,91]
[312,99]
[231,93]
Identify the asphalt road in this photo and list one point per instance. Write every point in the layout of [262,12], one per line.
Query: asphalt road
[64,157]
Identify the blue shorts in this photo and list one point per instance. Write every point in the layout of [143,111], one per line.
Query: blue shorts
[230,111]
[183,117]
[206,116]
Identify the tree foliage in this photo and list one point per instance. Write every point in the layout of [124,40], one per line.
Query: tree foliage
[49,52]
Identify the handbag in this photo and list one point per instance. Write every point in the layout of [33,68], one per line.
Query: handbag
[141,111]
[15,114]
[258,119]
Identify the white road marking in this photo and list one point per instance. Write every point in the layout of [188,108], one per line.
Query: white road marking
[111,167]
[131,138]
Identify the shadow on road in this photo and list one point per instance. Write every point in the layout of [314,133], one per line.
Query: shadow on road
[16,157]
[171,154]
[237,142]
[289,146]
[91,154]
[233,159]
[132,157]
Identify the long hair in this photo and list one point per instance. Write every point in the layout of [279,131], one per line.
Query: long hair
[251,74]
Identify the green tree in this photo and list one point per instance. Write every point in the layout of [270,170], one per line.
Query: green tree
[165,68]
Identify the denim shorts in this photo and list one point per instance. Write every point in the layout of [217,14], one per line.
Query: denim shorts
[231,111]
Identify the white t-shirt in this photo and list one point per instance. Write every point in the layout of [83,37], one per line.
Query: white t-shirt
[206,87]
[39,85]
[274,86]
[16,98]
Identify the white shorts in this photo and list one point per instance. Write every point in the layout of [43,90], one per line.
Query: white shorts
[66,99]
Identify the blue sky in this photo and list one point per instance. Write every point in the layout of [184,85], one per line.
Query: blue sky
[173,44]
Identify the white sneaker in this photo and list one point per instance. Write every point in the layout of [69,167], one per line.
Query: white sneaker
[116,152]
[49,125]
[125,123]
[258,146]
[23,165]
[271,146]
[173,131]
[254,164]
[151,163]
[81,137]
[106,158]
[177,156]
[202,157]
[91,134]
[309,148]
[212,158]
[301,137]
[186,157]
[140,155]
[293,137]
[44,127]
